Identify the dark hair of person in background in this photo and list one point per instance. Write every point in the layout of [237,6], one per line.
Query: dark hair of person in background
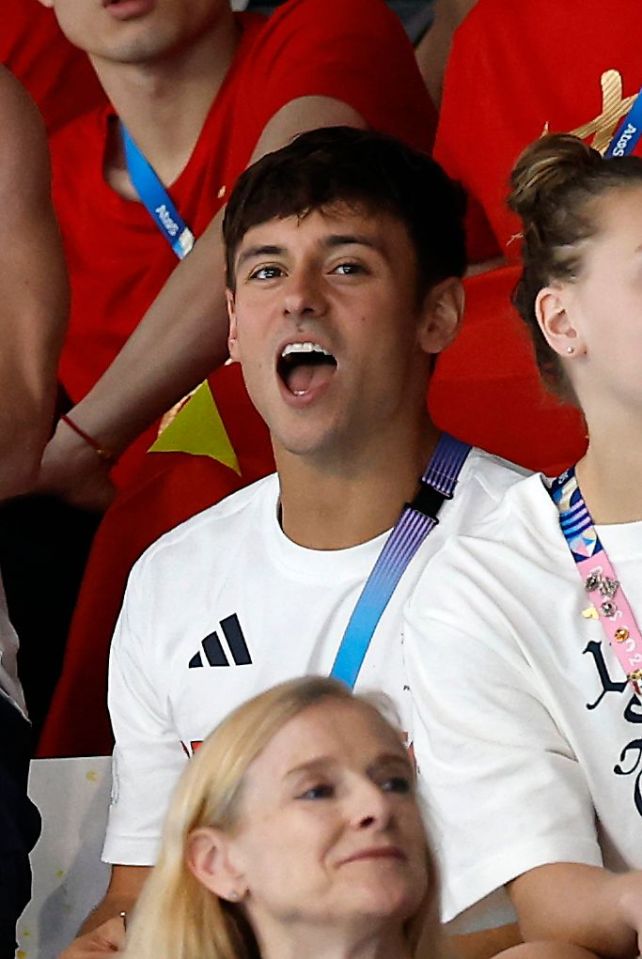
[362,169]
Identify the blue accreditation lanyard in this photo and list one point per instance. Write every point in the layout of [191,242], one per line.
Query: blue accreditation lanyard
[628,134]
[417,520]
[156,199]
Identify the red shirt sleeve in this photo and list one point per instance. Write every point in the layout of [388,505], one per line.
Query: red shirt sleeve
[355,51]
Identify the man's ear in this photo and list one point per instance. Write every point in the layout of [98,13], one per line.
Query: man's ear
[555,320]
[232,340]
[441,314]
[208,858]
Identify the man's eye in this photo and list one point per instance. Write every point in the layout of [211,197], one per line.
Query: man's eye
[348,269]
[397,784]
[320,791]
[266,273]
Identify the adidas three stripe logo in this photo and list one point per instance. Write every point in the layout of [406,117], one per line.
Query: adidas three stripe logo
[214,653]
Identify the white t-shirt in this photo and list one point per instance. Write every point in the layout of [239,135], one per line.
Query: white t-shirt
[529,736]
[9,683]
[224,607]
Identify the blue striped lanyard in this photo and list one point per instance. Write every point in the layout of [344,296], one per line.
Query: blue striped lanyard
[628,134]
[417,520]
[156,199]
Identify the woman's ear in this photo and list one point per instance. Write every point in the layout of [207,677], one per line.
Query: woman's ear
[554,316]
[441,314]
[232,339]
[208,857]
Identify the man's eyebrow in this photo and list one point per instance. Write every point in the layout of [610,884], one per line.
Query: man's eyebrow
[354,239]
[261,249]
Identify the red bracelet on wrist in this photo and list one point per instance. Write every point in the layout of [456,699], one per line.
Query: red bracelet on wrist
[106,455]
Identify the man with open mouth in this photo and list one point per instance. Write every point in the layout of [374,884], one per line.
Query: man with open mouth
[344,254]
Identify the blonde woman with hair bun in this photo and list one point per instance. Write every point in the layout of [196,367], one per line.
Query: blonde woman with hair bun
[523,641]
[295,831]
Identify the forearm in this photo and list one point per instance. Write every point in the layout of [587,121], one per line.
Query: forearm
[123,892]
[179,341]
[584,905]
[110,907]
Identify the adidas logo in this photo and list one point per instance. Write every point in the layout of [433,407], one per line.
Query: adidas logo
[215,654]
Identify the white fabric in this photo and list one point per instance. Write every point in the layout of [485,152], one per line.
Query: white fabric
[293,605]
[523,721]
[9,682]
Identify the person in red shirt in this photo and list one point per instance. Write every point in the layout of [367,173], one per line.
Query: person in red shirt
[57,75]
[534,66]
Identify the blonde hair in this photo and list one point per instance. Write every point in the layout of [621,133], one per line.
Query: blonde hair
[176,916]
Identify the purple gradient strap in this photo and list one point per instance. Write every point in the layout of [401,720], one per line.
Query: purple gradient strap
[413,526]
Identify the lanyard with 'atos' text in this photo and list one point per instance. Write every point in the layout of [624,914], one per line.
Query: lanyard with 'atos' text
[610,604]
[417,520]
[156,199]
[628,133]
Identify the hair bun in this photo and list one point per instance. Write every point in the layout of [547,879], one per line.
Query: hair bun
[553,161]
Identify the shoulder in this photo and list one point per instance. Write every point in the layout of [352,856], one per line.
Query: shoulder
[72,166]
[90,126]
[324,16]
[208,532]
[511,531]
[326,48]
[483,484]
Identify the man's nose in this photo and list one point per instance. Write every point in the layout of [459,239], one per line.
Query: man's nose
[303,295]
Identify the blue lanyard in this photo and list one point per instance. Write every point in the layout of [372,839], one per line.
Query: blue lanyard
[628,133]
[156,199]
[417,520]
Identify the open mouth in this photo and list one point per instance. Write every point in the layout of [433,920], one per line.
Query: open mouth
[305,366]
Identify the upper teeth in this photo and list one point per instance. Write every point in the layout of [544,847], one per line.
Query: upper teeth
[306,347]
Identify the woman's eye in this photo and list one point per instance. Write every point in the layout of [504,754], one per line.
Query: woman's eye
[266,273]
[397,784]
[320,791]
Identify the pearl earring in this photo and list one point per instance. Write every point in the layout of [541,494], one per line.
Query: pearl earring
[570,349]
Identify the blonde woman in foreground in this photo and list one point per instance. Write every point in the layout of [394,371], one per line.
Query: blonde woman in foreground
[295,831]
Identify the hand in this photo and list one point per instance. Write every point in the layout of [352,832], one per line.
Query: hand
[630,903]
[103,941]
[71,470]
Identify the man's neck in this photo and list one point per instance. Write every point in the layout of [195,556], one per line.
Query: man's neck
[164,103]
[610,474]
[352,499]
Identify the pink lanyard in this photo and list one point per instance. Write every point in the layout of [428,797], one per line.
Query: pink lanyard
[598,576]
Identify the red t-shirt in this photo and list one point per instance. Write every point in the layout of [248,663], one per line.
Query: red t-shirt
[118,260]
[533,66]
[569,66]
[59,77]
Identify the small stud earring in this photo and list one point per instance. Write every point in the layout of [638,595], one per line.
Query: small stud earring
[570,349]
[233,896]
